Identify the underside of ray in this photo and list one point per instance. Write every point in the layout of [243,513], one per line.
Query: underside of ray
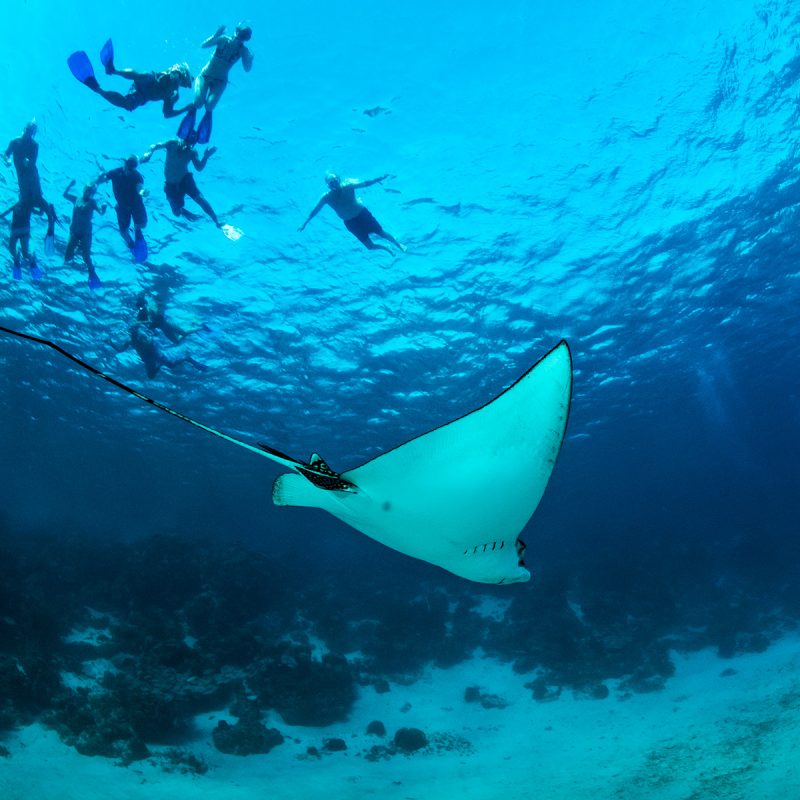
[465,489]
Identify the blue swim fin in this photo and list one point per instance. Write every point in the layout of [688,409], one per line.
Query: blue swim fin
[186,127]
[36,270]
[204,129]
[94,281]
[49,244]
[16,270]
[80,66]
[139,249]
[107,57]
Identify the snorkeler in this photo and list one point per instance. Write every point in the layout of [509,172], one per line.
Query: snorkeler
[142,337]
[25,151]
[21,234]
[127,184]
[80,229]
[147,87]
[341,197]
[178,180]
[213,78]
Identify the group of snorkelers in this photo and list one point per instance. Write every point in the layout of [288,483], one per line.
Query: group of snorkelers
[127,183]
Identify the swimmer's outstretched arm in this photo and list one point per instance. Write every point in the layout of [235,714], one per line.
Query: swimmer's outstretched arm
[247,59]
[148,154]
[200,163]
[362,184]
[9,150]
[168,107]
[314,211]
[68,194]
[174,333]
[215,38]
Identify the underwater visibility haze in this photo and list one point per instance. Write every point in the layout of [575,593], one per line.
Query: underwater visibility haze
[622,176]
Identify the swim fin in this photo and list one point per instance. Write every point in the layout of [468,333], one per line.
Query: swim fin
[16,270]
[204,129]
[94,281]
[49,244]
[107,57]
[139,249]
[36,270]
[186,127]
[234,234]
[80,66]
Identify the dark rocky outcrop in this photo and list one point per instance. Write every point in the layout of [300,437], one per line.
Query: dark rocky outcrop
[305,690]
[409,740]
[334,745]
[247,737]
[474,694]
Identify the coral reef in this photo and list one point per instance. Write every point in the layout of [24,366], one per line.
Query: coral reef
[118,645]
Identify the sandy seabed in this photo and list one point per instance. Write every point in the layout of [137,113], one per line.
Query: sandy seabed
[721,729]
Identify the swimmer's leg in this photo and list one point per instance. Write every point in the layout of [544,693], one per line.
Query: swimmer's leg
[214,94]
[86,252]
[388,236]
[205,205]
[128,101]
[72,244]
[124,215]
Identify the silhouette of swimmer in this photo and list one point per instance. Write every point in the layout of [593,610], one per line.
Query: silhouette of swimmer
[25,151]
[20,234]
[150,318]
[127,185]
[178,180]
[213,78]
[80,229]
[146,87]
[341,197]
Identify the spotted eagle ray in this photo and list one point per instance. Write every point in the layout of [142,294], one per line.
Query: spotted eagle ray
[457,496]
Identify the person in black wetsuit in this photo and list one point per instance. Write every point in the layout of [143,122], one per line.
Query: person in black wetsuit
[178,180]
[25,151]
[146,87]
[127,184]
[80,229]
[357,218]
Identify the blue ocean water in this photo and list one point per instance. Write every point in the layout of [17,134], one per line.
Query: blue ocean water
[623,175]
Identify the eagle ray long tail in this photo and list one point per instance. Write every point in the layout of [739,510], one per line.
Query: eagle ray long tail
[262,450]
